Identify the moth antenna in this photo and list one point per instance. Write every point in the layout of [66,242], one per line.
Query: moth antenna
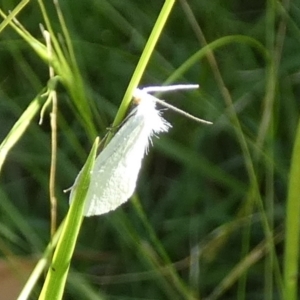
[152,89]
[167,88]
[182,112]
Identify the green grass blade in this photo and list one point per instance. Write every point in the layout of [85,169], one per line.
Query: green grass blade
[219,43]
[57,274]
[291,256]
[20,127]
[13,14]
[145,57]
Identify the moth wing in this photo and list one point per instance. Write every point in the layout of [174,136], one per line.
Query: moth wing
[114,176]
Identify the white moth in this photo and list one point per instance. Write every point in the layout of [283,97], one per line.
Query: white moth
[114,176]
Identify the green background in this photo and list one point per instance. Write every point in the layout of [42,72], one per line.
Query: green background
[210,205]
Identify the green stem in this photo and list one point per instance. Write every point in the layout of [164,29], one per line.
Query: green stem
[145,57]
[291,255]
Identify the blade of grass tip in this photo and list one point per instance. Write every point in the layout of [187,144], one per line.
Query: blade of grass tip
[144,59]
[57,274]
[66,35]
[67,68]
[291,254]
[20,127]
[54,41]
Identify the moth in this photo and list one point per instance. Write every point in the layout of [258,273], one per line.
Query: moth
[116,169]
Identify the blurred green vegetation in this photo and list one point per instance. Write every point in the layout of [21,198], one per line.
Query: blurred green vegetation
[207,220]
